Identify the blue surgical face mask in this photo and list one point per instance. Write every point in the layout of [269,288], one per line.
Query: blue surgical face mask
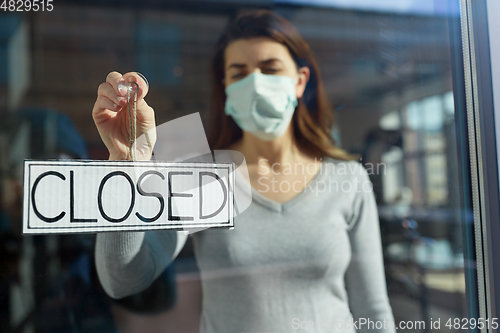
[262,104]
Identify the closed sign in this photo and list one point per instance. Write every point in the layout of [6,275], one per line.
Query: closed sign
[95,196]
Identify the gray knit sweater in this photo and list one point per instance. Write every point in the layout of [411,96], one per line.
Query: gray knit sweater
[312,264]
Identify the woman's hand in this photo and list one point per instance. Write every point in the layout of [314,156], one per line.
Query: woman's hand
[111,117]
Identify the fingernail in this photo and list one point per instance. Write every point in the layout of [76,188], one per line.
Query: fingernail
[119,100]
[114,105]
[144,78]
[122,88]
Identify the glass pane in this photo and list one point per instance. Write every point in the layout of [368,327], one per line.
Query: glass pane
[292,261]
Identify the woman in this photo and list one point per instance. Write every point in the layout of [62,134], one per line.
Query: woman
[306,254]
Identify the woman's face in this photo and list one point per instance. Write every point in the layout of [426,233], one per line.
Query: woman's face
[261,55]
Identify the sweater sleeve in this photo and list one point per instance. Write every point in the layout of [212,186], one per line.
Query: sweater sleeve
[128,262]
[365,277]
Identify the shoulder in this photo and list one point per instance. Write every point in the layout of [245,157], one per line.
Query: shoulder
[345,170]
[357,190]
[351,178]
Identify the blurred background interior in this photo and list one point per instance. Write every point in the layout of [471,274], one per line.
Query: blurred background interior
[392,74]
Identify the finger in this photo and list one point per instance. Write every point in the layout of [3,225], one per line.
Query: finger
[140,80]
[105,89]
[103,106]
[115,79]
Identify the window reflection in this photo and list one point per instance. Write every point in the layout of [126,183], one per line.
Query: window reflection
[419,193]
[387,73]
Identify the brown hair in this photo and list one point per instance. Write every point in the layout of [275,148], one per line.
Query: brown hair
[312,120]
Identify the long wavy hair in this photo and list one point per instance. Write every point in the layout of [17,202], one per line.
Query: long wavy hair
[312,119]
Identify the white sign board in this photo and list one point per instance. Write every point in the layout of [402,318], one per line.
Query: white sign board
[96,196]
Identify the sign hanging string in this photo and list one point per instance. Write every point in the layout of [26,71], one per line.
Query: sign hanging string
[132,91]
